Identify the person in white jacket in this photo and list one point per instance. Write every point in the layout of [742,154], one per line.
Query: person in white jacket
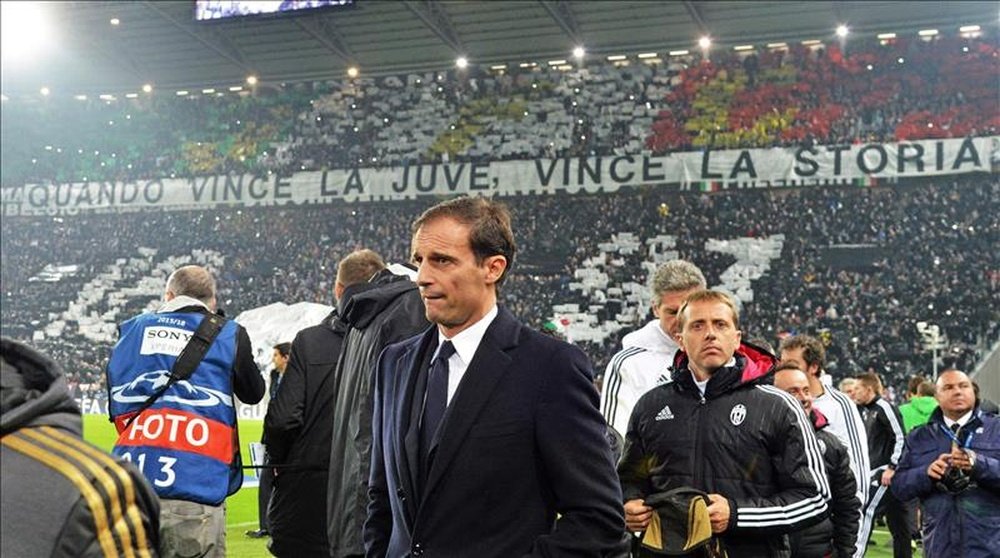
[807,354]
[648,353]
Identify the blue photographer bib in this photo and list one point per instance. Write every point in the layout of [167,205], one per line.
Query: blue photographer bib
[187,442]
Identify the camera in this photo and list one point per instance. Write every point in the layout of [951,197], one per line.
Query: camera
[955,481]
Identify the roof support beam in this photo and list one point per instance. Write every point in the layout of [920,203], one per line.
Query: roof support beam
[562,13]
[437,20]
[327,35]
[695,13]
[216,42]
[117,56]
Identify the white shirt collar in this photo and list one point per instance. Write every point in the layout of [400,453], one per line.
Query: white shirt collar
[179,302]
[961,420]
[467,341]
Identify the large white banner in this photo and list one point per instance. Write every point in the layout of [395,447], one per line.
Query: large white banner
[748,168]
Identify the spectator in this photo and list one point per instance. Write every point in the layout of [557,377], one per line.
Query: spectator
[952,464]
[279,360]
[380,306]
[148,388]
[297,432]
[917,411]
[62,496]
[806,353]
[838,535]
[648,353]
[885,446]
[682,434]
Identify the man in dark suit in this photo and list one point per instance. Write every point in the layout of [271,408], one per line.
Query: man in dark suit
[478,452]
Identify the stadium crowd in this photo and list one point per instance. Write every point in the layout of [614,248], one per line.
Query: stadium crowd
[858,268]
[934,262]
[799,94]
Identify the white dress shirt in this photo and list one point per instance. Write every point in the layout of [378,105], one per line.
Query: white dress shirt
[466,343]
[961,420]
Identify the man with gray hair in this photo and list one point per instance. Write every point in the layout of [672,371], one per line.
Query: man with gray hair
[648,353]
[177,422]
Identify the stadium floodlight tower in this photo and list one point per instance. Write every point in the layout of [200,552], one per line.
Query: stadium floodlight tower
[933,340]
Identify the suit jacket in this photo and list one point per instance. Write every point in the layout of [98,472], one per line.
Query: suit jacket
[522,440]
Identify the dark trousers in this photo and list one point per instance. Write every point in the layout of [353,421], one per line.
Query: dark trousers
[264,496]
[897,517]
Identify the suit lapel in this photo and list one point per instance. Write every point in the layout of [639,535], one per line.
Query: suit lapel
[408,419]
[488,366]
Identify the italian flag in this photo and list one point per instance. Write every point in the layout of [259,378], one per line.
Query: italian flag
[866,181]
[709,186]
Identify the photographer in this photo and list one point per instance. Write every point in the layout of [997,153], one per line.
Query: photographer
[953,465]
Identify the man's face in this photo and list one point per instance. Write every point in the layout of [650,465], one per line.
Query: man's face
[457,291]
[848,390]
[666,310]
[709,337]
[796,358]
[280,361]
[862,394]
[796,384]
[955,394]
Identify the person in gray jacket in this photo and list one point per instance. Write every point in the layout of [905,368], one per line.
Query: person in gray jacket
[382,309]
[61,496]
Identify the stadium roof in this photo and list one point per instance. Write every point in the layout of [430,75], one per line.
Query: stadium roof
[160,43]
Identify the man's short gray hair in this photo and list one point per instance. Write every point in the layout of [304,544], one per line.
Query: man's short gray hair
[677,275]
[193,281]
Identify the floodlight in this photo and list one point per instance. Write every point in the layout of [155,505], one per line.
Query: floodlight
[842,30]
[115,21]
[252,80]
[705,42]
[24,30]
[579,52]
[147,88]
[462,62]
[44,91]
[353,72]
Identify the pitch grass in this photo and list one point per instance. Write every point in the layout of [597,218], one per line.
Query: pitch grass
[241,508]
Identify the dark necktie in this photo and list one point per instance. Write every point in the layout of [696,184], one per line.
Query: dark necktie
[955,427]
[435,401]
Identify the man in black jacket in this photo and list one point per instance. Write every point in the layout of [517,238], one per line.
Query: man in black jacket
[885,446]
[719,427]
[838,535]
[380,306]
[61,496]
[297,436]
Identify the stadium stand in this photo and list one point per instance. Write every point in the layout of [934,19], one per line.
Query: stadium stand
[857,266]
[823,95]
[922,251]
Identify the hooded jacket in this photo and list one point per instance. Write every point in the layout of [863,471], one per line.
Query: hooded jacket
[386,310]
[61,496]
[297,432]
[743,439]
[838,534]
[917,412]
[642,364]
[962,525]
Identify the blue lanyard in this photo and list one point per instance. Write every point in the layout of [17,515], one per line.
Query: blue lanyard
[950,434]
